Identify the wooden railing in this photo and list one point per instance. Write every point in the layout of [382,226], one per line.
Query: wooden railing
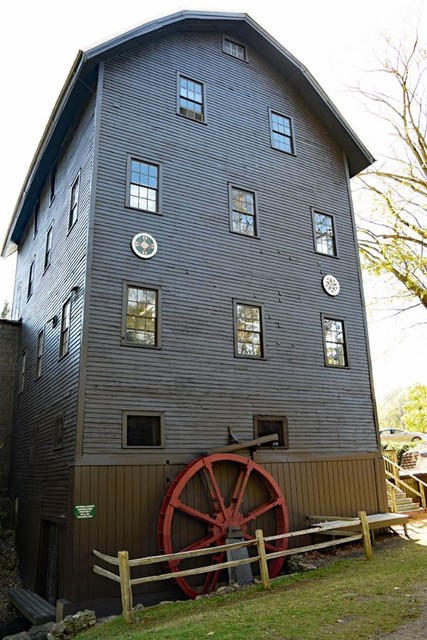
[125,565]
[393,480]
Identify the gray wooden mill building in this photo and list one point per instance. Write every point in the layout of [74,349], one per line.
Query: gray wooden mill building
[187,286]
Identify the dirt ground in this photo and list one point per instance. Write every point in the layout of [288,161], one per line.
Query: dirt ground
[9,575]
[415,629]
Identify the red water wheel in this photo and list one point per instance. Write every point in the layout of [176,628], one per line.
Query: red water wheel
[210,496]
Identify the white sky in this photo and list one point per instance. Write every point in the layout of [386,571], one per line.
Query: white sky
[39,40]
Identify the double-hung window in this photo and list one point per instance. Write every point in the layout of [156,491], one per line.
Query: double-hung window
[249,340]
[36,218]
[64,341]
[39,362]
[141,317]
[282,137]
[243,212]
[74,202]
[30,287]
[48,248]
[191,99]
[324,234]
[334,342]
[58,431]
[52,184]
[22,374]
[143,185]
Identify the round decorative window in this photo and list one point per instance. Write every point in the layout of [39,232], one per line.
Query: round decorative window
[144,245]
[331,285]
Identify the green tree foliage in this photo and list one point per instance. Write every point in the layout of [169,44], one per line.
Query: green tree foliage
[390,410]
[404,408]
[5,311]
[393,237]
[415,409]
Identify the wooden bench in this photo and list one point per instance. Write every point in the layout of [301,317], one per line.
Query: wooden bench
[32,606]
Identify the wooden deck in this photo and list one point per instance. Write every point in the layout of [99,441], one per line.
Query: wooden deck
[32,606]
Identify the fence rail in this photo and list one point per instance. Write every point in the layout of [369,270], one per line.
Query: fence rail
[336,528]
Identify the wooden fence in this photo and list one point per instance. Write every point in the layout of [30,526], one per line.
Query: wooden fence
[335,529]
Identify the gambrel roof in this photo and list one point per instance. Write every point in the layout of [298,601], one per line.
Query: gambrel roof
[82,79]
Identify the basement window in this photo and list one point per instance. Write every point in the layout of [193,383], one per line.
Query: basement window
[143,429]
[269,425]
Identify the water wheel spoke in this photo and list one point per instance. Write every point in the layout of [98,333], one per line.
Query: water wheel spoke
[205,542]
[240,488]
[259,511]
[213,576]
[191,511]
[213,488]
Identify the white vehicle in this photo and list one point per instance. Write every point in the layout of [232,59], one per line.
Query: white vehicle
[401,435]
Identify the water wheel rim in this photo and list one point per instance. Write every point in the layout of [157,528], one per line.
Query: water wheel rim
[226,514]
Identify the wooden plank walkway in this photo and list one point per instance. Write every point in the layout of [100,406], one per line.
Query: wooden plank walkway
[32,606]
[375,521]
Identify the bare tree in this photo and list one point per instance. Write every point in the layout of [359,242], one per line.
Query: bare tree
[393,240]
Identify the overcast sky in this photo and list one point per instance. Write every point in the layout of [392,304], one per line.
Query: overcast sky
[337,41]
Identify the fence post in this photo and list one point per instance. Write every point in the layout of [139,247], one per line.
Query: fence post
[262,559]
[125,586]
[365,533]
[422,490]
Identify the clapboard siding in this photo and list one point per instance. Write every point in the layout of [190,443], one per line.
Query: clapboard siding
[128,502]
[55,392]
[202,267]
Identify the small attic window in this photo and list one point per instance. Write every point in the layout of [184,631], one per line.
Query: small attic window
[234,49]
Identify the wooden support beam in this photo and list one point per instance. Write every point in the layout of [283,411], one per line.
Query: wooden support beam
[249,444]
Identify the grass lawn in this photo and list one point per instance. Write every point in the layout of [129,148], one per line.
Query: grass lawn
[346,599]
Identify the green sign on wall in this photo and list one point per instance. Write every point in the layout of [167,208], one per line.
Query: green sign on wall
[84,511]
